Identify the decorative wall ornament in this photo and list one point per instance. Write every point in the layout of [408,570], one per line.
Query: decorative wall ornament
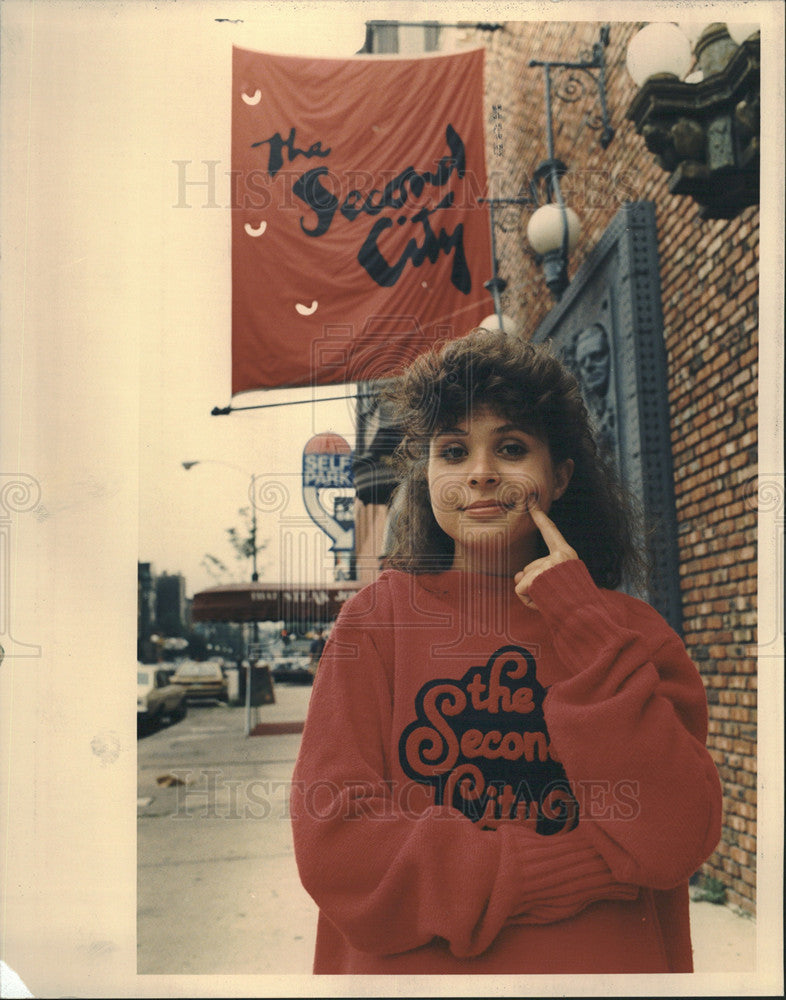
[608,328]
[704,129]
[589,355]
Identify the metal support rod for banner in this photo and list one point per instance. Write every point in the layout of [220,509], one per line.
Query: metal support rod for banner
[478,25]
[223,411]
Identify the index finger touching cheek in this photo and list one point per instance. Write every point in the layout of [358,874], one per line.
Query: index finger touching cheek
[552,536]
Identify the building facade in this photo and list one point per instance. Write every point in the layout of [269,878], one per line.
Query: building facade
[171,602]
[708,271]
[146,613]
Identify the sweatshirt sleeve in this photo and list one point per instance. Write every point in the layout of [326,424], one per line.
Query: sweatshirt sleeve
[393,877]
[630,726]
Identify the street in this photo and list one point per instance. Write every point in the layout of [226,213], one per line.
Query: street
[218,889]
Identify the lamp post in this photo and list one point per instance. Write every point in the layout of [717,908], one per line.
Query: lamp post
[496,285]
[244,695]
[252,496]
[553,230]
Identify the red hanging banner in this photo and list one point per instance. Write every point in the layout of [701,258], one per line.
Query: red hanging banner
[358,239]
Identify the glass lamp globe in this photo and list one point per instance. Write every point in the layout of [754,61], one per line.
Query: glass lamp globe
[739,32]
[544,230]
[658,48]
[492,322]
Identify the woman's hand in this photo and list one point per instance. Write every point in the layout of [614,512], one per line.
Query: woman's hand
[559,552]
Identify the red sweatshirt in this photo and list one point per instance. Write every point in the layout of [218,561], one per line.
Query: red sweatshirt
[486,788]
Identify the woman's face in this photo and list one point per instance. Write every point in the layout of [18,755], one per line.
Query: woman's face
[483,475]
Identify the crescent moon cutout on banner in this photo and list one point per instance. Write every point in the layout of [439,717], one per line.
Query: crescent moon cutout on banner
[255,232]
[307,310]
[255,99]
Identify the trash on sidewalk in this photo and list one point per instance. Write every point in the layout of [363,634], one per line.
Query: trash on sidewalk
[167,780]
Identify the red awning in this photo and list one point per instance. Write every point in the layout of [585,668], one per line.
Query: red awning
[260,602]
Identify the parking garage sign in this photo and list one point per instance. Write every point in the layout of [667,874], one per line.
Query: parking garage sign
[327,465]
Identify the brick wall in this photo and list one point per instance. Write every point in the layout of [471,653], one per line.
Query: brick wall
[709,279]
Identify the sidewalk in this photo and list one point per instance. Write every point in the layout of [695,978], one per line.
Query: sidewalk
[218,889]
[723,941]
[218,845]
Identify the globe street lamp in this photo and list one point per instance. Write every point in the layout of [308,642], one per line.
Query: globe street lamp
[252,496]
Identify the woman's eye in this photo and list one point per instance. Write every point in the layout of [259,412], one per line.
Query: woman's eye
[513,449]
[453,453]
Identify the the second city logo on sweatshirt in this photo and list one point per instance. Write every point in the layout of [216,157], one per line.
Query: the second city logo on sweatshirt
[482,743]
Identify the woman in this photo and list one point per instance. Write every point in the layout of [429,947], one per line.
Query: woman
[503,768]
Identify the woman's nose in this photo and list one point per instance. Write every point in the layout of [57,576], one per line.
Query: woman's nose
[482,472]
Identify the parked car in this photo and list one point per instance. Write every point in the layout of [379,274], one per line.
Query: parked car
[202,680]
[292,663]
[157,698]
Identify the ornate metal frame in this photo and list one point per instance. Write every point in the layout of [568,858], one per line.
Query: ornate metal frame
[618,289]
[575,89]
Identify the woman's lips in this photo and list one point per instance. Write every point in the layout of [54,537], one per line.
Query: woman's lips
[487,507]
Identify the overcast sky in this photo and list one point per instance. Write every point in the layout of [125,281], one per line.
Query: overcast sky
[127,276]
[184,515]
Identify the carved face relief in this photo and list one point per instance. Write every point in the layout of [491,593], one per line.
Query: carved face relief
[593,359]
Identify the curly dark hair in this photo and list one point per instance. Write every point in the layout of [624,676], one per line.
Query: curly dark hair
[529,386]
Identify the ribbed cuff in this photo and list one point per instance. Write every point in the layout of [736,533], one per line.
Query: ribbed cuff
[562,589]
[564,873]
